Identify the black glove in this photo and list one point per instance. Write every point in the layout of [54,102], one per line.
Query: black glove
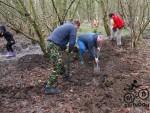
[70,49]
[63,48]
[75,50]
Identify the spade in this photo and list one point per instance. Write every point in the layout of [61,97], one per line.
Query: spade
[97,67]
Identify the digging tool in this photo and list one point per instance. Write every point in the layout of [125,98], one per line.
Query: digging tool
[97,67]
[68,64]
[67,70]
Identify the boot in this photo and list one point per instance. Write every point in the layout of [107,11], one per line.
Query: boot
[51,90]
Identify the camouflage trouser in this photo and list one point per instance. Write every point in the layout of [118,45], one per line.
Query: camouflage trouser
[55,56]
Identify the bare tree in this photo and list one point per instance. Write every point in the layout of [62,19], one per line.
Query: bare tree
[137,16]
[35,18]
[105,10]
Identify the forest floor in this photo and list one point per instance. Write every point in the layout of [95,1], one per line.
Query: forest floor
[22,80]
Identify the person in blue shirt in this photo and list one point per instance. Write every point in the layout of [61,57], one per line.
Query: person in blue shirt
[62,36]
[90,42]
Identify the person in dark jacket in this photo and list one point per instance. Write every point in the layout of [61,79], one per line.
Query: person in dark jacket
[90,42]
[10,41]
[62,36]
[117,25]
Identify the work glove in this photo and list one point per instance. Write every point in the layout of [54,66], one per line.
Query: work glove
[63,48]
[70,49]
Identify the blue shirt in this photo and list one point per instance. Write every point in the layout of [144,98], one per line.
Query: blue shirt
[90,41]
[64,34]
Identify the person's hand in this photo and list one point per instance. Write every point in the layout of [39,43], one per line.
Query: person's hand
[12,42]
[63,48]
[1,35]
[114,29]
[96,60]
[70,49]
[98,48]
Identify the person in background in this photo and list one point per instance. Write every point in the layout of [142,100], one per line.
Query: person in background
[58,40]
[117,24]
[10,41]
[90,42]
[95,24]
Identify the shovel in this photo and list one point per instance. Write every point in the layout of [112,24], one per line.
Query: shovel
[68,64]
[97,67]
[67,71]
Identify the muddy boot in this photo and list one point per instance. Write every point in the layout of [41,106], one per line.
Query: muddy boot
[51,90]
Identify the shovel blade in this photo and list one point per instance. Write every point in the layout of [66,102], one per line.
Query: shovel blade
[96,70]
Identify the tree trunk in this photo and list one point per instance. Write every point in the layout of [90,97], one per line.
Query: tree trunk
[105,18]
[106,26]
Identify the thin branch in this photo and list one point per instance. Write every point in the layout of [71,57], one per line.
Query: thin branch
[143,28]
[21,18]
[75,9]
[65,14]
[11,7]
[27,36]
[8,5]
[56,10]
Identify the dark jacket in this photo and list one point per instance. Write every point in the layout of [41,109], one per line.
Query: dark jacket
[9,37]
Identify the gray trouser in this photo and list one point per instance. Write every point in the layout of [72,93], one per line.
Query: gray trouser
[116,35]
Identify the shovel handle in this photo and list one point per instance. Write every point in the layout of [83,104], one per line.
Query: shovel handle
[68,63]
[97,65]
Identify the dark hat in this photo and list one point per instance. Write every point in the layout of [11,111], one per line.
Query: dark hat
[111,14]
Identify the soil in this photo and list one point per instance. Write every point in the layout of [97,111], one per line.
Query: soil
[22,80]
